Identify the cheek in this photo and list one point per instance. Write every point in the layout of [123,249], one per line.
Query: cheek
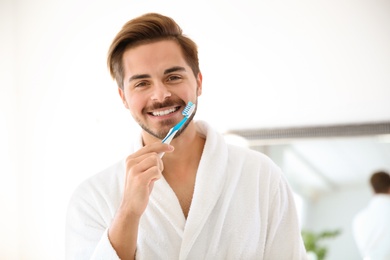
[135,104]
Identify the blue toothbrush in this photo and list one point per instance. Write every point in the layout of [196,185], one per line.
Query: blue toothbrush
[187,112]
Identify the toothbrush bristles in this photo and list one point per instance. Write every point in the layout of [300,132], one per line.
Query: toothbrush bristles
[187,111]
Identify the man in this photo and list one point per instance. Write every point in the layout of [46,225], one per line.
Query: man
[203,199]
[371,226]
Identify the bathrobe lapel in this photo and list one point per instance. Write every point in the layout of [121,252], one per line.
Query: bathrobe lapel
[208,186]
[164,198]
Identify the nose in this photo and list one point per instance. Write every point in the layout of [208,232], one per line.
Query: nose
[160,92]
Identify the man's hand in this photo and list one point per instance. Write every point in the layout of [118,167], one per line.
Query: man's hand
[143,168]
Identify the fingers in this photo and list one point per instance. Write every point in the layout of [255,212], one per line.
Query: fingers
[147,157]
[143,168]
[147,169]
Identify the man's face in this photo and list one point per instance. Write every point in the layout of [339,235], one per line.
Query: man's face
[158,84]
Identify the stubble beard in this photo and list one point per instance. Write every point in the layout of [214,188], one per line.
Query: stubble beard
[165,126]
[160,134]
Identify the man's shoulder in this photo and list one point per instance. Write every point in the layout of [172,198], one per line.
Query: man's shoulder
[249,154]
[97,197]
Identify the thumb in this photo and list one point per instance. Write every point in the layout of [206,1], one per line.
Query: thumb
[170,149]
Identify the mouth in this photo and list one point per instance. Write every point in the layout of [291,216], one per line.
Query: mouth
[164,112]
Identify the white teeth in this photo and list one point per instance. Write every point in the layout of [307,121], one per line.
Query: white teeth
[165,112]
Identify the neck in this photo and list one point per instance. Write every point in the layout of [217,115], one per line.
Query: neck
[188,151]
[188,145]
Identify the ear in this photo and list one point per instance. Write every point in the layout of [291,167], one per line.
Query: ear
[199,80]
[122,95]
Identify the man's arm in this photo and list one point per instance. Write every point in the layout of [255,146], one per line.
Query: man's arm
[91,232]
[284,240]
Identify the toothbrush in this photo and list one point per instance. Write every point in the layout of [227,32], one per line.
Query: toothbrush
[187,112]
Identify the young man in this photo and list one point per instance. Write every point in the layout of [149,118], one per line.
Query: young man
[371,226]
[204,199]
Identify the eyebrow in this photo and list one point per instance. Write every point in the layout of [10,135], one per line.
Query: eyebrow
[167,71]
[174,69]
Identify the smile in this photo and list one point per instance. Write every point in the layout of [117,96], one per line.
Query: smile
[165,112]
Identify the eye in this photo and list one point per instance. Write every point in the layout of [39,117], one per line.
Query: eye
[174,78]
[141,84]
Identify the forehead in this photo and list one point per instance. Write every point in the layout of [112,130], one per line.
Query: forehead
[156,55]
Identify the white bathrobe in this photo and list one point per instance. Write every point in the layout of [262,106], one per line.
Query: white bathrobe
[371,228]
[242,208]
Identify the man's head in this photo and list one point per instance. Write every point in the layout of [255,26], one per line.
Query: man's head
[157,72]
[144,29]
[380,182]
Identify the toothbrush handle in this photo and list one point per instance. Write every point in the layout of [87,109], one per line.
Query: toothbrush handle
[172,132]
[168,139]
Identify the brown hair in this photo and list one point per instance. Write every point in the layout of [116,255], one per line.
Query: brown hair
[148,28]
[380,182]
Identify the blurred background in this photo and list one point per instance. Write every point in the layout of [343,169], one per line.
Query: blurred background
[267,66]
